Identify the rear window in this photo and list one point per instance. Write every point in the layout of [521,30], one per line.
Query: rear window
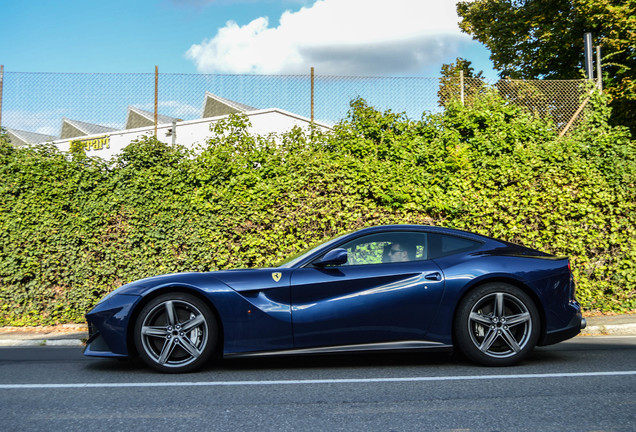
[440,245]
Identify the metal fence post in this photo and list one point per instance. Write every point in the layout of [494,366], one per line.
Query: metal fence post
[312,95]
[599,69]
[461,85]
[156,96]
[1,83]
[587,46]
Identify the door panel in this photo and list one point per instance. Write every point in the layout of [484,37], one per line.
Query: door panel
[358,304]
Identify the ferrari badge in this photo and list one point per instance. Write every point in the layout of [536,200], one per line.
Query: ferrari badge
[276,276]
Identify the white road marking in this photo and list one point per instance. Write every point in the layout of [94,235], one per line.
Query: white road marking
[314,381]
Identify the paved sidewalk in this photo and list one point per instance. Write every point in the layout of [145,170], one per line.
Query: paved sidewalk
[76,334]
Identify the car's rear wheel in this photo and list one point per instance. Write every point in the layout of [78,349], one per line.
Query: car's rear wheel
[496,324]
[175,332]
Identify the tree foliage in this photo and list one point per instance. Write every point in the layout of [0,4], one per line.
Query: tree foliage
[531,39]
[74,228]
[450,85]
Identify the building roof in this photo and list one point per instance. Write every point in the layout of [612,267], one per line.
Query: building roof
[137,118]
[214,106]
[20,138]
[76,128]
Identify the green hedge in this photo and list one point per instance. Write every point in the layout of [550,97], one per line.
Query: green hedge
[74,228]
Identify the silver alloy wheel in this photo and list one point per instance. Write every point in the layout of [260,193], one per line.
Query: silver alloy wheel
[500,325]
[174,333]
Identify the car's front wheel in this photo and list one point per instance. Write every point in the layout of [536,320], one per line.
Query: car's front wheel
[175,332]
[496,324]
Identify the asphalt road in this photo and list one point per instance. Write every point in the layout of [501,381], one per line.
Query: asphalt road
[585,384]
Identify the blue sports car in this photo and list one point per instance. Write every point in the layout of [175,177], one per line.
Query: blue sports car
[380,288]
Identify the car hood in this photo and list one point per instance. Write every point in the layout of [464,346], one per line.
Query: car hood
[253,279]
[238,280]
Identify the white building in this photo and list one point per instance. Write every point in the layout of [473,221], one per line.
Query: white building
[107,142]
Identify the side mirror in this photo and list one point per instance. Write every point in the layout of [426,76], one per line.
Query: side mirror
[333,257]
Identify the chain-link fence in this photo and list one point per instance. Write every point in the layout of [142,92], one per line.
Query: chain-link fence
[39,103]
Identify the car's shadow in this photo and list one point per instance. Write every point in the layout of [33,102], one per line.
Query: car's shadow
[296,362]
[570,353]
[330,361]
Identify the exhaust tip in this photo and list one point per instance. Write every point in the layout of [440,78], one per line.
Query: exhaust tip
[583,323]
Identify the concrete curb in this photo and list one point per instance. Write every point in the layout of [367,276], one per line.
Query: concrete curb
[40,342]
[610,330]
[61,335]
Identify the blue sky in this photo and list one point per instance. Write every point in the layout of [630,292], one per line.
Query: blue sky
[337,37]
[101,56]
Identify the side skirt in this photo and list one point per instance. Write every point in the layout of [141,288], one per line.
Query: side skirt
[385,346]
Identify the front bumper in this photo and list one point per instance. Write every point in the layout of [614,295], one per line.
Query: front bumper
[108,326]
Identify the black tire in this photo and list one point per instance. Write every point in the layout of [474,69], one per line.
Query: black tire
[496,324]
[175,333]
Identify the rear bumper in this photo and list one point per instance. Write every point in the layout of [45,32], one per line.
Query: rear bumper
[574,327]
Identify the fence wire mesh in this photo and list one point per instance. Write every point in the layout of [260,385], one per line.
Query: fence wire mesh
[555,99]
[38,103]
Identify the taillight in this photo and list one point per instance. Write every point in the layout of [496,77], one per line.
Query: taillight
[572,284]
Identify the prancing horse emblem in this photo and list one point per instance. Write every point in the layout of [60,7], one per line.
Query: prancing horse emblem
[276,276]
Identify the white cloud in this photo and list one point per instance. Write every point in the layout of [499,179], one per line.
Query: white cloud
[339,37]
[180,109]
[42,122]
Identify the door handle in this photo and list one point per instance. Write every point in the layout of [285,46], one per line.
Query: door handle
[433,276]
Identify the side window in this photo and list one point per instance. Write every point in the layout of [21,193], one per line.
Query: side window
[442,245]
[399,246]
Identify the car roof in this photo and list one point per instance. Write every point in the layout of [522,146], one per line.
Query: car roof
[427,228]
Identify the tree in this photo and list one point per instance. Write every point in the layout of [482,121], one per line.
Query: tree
[449,84]
[531,39]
